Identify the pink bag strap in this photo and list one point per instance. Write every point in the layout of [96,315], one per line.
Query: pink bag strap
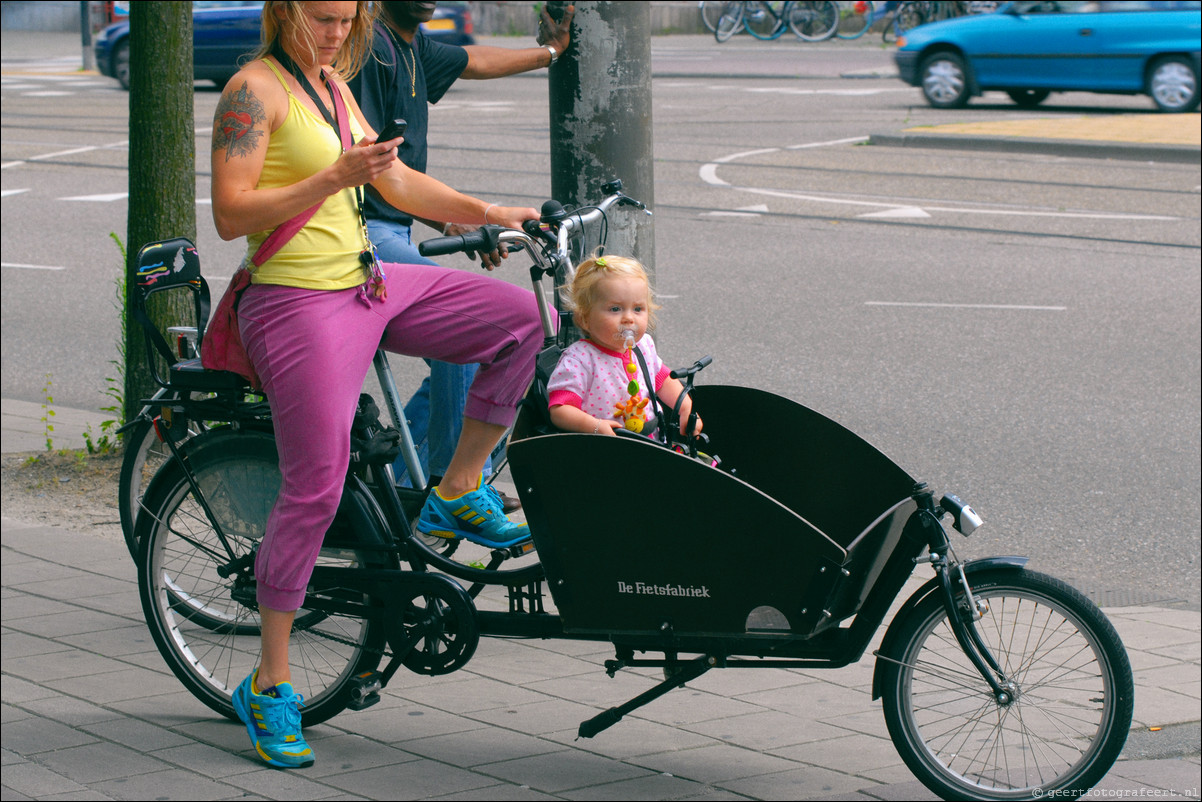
[287,230]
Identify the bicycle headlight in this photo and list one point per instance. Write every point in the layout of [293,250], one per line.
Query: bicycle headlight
[964,518]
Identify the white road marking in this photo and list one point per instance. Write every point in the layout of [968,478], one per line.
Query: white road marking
[709,174]
[8,192]
[69,152]
[900,211]
[24,266]
[109,198]
[1011,307]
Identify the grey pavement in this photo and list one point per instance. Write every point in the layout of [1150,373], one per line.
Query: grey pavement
[90,711]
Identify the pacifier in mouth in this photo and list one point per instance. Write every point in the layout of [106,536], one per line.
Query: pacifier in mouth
[626,337]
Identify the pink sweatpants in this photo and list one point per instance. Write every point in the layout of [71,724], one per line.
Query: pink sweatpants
[313,348]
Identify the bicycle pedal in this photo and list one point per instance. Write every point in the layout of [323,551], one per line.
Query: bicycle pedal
[520,549]
[365,690]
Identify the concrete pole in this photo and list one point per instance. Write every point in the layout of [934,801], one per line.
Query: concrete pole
[600,102]
[85,31]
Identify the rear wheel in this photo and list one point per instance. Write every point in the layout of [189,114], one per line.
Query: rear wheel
[1028,98]
[206,625]
[730,21]
[1173,85]
[857,20]
[814,21]
[944,80]
[120,63]
[1069,704]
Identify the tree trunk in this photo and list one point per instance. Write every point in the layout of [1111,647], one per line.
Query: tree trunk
[162,166]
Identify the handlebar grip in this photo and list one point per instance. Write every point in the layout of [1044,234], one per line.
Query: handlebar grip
[697,366]
[482,239]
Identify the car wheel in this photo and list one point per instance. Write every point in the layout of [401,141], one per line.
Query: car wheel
[945,80]
[1173,84]
[121,64]
[1028,98]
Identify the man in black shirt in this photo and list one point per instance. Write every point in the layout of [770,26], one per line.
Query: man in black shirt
[406,72]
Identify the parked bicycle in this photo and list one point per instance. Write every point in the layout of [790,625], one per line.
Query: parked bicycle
[997,682]
[912,13]
[810,20]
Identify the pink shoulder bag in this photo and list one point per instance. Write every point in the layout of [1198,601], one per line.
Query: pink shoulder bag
[222,347]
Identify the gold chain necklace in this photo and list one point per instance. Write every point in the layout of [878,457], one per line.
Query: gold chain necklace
[412,68]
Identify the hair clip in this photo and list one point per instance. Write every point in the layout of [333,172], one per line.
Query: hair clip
[601,262]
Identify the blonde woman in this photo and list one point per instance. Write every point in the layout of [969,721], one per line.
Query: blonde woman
[317,310]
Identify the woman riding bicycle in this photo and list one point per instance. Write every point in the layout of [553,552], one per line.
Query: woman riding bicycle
[318,309]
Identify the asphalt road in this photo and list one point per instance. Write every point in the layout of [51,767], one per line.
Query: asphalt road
[1020,329]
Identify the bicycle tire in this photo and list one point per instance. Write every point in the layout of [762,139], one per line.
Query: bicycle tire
[209,638]
[143,455]
[1072,687]
[730,22]
[909,16]
[711,10]
[855,24]
[814,21]
[761,21]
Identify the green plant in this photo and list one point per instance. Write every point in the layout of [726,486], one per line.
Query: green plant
[48,413]
[115,388]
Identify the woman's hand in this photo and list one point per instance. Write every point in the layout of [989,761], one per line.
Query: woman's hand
[488,260]
[364,163]
[509,216]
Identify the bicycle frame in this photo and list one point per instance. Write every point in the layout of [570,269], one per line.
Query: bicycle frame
[664,581]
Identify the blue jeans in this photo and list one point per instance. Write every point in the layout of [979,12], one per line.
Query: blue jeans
[435,412]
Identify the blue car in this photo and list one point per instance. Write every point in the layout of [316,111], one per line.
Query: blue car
[225,33]
[1030,49]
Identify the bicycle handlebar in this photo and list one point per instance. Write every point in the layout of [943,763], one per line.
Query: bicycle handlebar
[697,367]
[552,232]
[547,240]
[485,238]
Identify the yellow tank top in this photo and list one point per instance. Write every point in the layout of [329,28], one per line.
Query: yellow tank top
[324,255]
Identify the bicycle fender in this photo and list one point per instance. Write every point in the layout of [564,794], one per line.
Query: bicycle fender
[1013,563]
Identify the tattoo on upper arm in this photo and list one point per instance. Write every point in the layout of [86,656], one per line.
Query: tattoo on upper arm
[238,123]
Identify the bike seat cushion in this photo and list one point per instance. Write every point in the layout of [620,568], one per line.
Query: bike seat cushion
[190,375]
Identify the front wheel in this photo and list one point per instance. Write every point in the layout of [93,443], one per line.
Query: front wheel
[199,603]
[711,11]
[1028,98]
[1173,85]
[760,22]
[1070,685]
[814,21]
[945,80]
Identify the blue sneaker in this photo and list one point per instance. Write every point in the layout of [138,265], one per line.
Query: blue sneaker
[273,720]
[477,515]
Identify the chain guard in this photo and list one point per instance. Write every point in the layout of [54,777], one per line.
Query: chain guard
[434,624]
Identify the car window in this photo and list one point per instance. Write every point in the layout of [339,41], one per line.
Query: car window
[1094,6]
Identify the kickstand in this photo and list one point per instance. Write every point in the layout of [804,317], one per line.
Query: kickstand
[602,721]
